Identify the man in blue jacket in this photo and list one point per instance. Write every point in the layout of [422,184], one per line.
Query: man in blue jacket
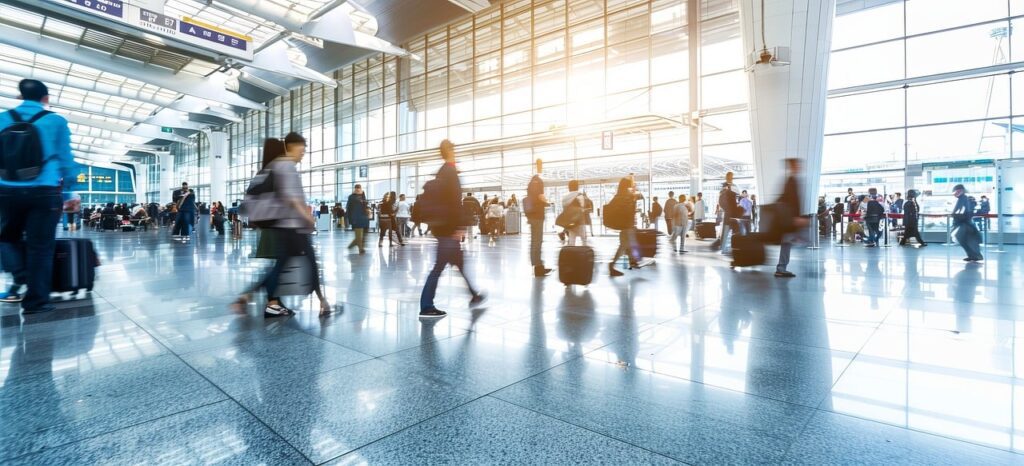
[30,207]
[448,196]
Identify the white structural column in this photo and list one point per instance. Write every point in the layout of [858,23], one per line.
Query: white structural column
[787,103]
[141,182]
[166,161]
[218,166]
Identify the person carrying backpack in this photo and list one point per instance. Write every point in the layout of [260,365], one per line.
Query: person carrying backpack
[35,164]
[620,214]
[441,208]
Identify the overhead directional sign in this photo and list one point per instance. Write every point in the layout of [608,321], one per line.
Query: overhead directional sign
[188,30]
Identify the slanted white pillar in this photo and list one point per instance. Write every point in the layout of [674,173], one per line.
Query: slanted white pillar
[166,161]
[787,103]
[141,182]
[218,166]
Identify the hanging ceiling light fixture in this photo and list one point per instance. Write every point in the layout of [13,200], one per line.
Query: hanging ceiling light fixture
[774,56]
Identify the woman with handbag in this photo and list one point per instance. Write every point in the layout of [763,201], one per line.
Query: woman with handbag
[289,226]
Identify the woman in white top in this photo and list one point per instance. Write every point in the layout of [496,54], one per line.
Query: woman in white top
[681,214]
[493,214]
[402,216]
[575,197]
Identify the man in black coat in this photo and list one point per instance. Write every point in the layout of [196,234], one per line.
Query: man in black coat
[447,231]
[791,199]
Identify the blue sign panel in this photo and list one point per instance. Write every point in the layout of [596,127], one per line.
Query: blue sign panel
[194,30]
[113,8]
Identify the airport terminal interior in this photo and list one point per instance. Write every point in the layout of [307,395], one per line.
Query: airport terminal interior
[867,349]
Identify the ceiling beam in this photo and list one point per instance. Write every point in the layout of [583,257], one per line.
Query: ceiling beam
[334,25]
[210,87]
[67,80]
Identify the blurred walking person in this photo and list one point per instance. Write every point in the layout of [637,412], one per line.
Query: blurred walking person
[681,212]
[967,233]
[620,215]
[493,217]
[441,206]
[280,207]
[911,210]
[357,214]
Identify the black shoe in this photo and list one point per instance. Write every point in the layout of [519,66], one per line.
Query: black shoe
[433,313]
[477,300]
[541,272]
[923,244]
[784,274]
[277,310]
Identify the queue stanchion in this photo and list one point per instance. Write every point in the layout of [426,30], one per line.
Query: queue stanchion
[1001,229]
[842,230]
[949,232]
[814,233]
[999,246]
[885,242]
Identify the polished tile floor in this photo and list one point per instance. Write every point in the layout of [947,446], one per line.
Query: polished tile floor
[879,356]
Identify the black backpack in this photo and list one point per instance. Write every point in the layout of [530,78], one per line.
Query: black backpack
[429,207]
[21,149]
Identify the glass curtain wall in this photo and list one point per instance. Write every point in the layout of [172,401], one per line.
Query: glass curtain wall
[923,94]
[517,68]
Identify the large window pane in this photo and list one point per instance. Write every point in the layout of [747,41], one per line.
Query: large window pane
[549,84]
[877,149]
[959,141]
[671,99]
[627,25]
[671,57]
[488,37]
[582,10]
[627,66]
[461,48]
[487,99]
[722,90]
[954,50]
[586,37]
[721,45]
[667,15]
[548,17]
[461,105]
[866,65]
[931,15]
[516,91]
[550,47]
[586,79]
[517,28]
[976,98]
[873,110]
[868,25]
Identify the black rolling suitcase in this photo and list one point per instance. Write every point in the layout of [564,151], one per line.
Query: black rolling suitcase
[74,265]
[648,242]
[747,250]
[706,230]
[576,265]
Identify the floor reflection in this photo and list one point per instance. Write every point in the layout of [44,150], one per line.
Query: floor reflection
[684,358]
